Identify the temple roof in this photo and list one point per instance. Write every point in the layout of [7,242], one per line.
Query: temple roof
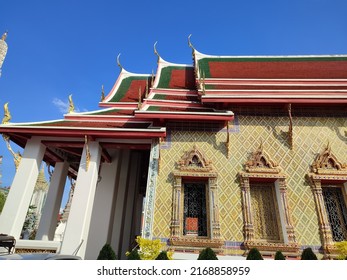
[138,105]
[310,79]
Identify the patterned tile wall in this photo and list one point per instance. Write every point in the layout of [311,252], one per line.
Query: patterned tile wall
[310,137]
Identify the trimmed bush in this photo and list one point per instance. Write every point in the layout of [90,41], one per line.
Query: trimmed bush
[254,254]
[107,253]
[279,256]
[207,254]
[162,256]
[308,254]
[341,247]
[134,255]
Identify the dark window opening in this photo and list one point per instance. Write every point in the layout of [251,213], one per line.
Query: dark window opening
[337,212]
[195,214]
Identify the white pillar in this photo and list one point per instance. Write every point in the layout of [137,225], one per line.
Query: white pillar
[22,188]
[99,233]
[120,200]
[48,222]
[77,227]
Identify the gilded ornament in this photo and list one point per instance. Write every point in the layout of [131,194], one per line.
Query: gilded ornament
[17,157]
[7,116]
[102,94]
[71,105]
[155,51]
[118,62]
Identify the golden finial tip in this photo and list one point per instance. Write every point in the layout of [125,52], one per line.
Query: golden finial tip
[7,116]
[71,105]
[189,42]
[118,61]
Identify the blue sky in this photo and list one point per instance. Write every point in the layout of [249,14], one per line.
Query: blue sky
[57,48]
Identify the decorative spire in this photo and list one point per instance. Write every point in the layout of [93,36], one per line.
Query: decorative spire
[4,36]
[102,93]
[155,51]
[7,116]
[118,62]
[3,49]
[71,105]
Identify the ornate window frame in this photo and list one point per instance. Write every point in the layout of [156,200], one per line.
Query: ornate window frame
[259,168]
[193,165]
[325,169]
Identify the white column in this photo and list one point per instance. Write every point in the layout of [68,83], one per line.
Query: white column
[22,188]
[77,227]
[99,233]
[120,200]
[48,222]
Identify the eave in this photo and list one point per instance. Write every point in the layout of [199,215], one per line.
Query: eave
[82,131]
[189,116]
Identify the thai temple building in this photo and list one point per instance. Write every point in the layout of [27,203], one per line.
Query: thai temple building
[229,152]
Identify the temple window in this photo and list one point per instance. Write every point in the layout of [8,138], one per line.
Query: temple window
[195,210]
[195,206]
[329,185]
[336,209]
[266,214]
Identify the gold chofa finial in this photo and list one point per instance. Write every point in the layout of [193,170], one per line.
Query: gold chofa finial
[155,50]
[102,93]
[71,105]
[118,62]
[4,36]
[7,116]
[189,42]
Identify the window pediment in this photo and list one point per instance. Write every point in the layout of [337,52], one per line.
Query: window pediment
[327,163]
[194,161]
[260,162]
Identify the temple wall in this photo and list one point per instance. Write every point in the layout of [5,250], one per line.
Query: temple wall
[310,136]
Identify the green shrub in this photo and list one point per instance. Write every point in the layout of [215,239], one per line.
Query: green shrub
[279,256]
[107,253]
[207,254]
[308,254]
[134,255]
[254,254]
[162,256]
[342,250]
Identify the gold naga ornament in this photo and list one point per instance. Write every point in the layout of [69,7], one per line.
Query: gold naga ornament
[7,115]
[71,105]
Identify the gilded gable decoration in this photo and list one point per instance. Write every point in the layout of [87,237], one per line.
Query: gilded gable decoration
[327,163]
[260,162]
[194,161]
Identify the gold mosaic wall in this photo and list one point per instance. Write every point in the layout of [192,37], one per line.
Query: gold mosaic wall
[310,136]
